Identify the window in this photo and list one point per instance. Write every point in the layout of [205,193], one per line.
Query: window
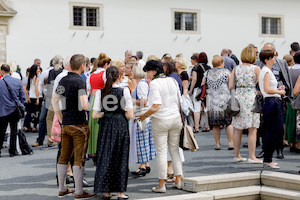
[185,21]
[271,26]
[86,16]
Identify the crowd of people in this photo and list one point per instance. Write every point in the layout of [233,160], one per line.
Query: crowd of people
[129,110]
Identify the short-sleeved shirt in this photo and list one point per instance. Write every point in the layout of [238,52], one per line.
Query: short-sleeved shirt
[178,79]
[165,91]
[70,88]
[127,97]
[184,76]
[200,73]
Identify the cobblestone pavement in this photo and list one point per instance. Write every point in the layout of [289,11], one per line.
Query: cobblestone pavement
[32,177]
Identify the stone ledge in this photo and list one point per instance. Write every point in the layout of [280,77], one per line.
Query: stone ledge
[193,196]
[241,193]
[223,181]
[272,193]
[280,180]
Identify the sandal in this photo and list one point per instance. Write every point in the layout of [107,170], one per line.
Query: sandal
[206,129]
[196,130]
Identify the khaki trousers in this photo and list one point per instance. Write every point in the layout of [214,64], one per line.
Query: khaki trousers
[74,138]
[49,122]
[166,133]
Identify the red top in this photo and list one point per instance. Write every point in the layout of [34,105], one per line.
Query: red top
[97,81]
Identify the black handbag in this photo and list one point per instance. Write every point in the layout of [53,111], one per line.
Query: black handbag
[257,105]
[20,110]
[295,103]
[233,105]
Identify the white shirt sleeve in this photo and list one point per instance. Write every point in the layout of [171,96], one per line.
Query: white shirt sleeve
[154,95]
[88,84]
[142,90]
[128,99]
[104,77]
[97,102]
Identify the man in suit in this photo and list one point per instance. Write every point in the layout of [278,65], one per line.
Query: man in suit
[233,57]
[229,62]
[281,73]
[8,111]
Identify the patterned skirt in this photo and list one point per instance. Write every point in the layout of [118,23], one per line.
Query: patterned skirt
[145,144]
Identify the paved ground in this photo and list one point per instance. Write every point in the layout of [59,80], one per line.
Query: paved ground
[33,176]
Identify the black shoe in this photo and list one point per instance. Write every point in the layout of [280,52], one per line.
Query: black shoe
[141,172]
[280,154]
[87,184]
[106,198]
[148,170]
[245,145]
[69,179]
[292,149]
[261,154]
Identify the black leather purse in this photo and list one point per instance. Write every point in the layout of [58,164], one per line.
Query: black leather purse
[20,109]
[233,105]
[257,105]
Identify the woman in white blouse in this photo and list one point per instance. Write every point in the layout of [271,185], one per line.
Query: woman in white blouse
[164,99]
[272,108]
[113,141]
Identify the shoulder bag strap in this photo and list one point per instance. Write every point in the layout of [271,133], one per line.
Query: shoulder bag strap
[9,90]
[202,68]
[178,96]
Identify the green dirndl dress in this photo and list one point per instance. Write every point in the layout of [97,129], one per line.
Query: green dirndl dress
[94,131]
[290,125]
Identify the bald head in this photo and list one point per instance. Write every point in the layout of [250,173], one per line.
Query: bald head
[225,52]
[269,46]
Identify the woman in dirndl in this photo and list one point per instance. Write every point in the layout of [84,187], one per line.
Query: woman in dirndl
[143,141]
[95,82]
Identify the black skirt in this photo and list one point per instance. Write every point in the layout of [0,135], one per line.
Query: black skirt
[112,155]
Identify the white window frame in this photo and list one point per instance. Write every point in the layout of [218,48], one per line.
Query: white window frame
[271,16]
[99,8]
[193,11]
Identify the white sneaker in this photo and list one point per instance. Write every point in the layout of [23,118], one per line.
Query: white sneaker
[250,161]
[239,159]
[159,190]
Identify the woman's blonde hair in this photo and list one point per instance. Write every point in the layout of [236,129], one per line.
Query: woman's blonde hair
[289,59]
[181,61]
[217,61]
[152,57]
[248,55]
[118,63]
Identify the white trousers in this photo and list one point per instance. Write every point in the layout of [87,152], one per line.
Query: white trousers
[166,133]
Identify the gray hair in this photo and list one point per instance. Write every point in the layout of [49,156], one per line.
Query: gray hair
[67,63]
[139,54]
[128,51]
[13,66]
[37,59]
[57,62]
[273,46]
[138,71]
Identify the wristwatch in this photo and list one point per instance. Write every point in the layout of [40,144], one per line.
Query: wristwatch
[145,115]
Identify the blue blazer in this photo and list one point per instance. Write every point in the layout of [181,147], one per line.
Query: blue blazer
[7,104]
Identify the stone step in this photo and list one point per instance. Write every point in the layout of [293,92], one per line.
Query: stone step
[193,196]
[280,180]
[273,193]
[237,193]
[240,193]
[223,181]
